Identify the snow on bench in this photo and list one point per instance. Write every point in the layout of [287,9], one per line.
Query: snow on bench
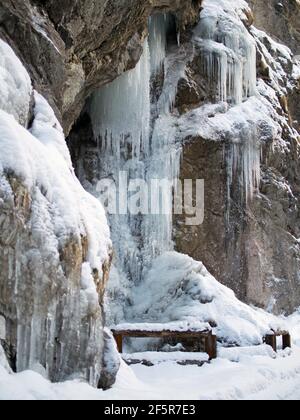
[152,358]
[177,326]
[174,330]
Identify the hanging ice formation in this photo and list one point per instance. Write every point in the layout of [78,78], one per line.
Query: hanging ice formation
[120,112]
[228,53]
[243,166]
[132,141]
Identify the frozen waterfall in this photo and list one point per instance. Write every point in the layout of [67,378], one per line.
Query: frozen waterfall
[120,112]
[136,139]
[134,146]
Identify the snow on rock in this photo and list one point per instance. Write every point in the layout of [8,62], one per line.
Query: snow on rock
[41,158]
[15,85]
[111,361]
[228,50]
[177,288]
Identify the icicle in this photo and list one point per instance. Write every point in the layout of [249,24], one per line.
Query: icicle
[230,55]
[158,28]
[178,38]
[120,111]
[243,165]
[121,115]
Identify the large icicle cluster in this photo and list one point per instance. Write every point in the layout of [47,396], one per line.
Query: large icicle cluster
[120,111]
[157,40]
[228,52]
[228,55]
[131,141]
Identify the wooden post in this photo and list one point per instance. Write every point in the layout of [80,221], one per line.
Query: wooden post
[286,341]
[119,341]
[271,340]
[211,346]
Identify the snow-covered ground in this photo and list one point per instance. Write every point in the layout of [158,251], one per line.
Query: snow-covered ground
[41,159]
[255,373]
[253,378]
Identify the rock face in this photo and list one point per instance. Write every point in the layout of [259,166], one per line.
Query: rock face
[73,47]
[250,245]
[281,19]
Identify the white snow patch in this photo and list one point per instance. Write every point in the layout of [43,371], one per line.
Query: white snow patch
[178,288]
[15,85]
[294,325]
[258,377]
[237,354]
[178,326]
[162,357]
[42,160]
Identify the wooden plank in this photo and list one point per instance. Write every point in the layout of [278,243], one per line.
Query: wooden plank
[286,341]
[211,346]
[270,340]
[210,339]
[161,334]
[119,341]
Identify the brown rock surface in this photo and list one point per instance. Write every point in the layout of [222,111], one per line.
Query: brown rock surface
[281,19]
[70,48]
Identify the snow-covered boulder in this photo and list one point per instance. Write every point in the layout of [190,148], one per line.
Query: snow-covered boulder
[15,85]
[55,247]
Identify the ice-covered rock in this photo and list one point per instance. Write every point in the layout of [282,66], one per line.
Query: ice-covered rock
[247,155]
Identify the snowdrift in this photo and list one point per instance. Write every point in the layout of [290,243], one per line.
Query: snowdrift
[178,288]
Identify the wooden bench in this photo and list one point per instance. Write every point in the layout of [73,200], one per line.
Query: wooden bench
[271,339]
[209,338]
